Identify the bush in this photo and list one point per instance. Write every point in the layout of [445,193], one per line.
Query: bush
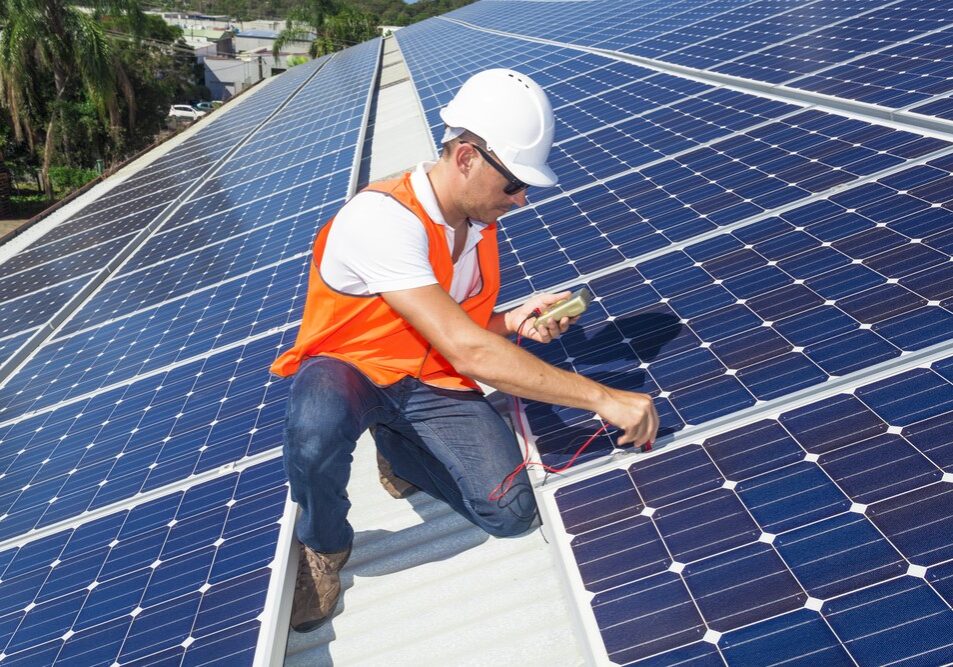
[67,179]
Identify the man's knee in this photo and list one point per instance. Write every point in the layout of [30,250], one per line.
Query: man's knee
[511,515]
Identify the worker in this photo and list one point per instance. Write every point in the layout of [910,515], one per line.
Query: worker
[399,325]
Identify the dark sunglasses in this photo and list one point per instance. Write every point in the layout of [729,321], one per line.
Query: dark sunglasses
[513,185]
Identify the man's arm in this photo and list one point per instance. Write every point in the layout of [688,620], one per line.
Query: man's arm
[490,358]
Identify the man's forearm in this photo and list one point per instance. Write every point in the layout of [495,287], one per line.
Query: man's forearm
[501,364]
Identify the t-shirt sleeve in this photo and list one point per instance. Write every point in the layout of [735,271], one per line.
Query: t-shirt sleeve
[376,245]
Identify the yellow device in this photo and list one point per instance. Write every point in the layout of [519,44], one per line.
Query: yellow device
[575,305]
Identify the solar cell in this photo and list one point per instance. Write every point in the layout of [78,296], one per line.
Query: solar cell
[865,31]
[745,254]
[140,435]
[200,260]
[892,54]
[123,423]
[10,344]
[899,76]
[37,307]
[109,222]
[191,326]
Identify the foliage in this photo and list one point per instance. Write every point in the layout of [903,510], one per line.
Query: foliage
[294,61]
[78,86]
[397,12]
[384,12]
[27,205]
[331,24]
[67,179]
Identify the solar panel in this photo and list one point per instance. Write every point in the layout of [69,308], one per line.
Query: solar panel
[755,262]
[822,291]
[901,76]
[891,54]
[242,243]
[71,259]
[145,513]
[184,576]
[812,533]
[775,273]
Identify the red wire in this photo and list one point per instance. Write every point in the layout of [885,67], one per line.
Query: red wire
[503,487]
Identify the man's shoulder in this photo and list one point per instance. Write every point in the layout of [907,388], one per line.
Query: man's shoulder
[373,202]
[370,217]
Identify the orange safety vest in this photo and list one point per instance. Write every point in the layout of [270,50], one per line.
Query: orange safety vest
[367,333]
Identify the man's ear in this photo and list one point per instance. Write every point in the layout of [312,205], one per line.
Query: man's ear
[463,158]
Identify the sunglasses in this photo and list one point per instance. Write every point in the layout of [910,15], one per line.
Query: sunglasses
[513,185]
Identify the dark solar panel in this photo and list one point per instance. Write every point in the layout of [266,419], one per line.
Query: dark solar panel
[144,526]
[816,527]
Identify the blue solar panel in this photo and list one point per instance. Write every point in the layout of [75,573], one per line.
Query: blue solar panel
[84,244]
[35,308]
[181,577]
[10,344]
[812,534]
[821,291]
[896,50]
[696,192]
[900,76]
[745,253]
[204,252]
[141,435]
[850,38]
[161,383]
[191,327]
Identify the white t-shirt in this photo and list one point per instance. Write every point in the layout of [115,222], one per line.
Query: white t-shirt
[377,245]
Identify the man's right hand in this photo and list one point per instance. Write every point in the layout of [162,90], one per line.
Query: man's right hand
[632,412]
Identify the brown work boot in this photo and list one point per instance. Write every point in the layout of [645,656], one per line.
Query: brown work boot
[318,587]
[394,485]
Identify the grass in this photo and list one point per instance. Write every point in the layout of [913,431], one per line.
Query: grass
[25,206]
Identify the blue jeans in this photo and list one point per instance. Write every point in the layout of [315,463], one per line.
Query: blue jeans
[451,444]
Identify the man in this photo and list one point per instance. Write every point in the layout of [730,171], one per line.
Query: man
[399,324]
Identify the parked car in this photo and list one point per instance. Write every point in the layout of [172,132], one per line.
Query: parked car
[203,106]
[185,111]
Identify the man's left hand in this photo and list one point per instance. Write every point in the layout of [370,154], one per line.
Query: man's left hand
[547,331]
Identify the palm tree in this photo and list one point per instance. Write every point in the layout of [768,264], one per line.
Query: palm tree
[46,42]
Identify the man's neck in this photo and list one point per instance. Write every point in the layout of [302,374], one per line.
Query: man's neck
[440,182]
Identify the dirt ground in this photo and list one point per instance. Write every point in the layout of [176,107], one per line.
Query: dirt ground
[7,226]
[23,212]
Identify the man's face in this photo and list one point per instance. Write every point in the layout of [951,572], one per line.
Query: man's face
[487,201]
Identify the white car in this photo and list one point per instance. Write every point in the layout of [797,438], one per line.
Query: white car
[185,111]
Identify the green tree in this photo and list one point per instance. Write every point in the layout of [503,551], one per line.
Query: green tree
[49,45]
[331,25]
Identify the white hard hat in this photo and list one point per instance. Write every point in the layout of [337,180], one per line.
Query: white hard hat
[512,114]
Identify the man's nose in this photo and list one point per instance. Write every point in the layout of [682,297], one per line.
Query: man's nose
[519,198]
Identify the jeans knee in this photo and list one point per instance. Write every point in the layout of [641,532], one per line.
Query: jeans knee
[509,516]
[509,527]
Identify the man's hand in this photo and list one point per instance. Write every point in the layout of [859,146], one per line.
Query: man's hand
[632,412]
[548,331]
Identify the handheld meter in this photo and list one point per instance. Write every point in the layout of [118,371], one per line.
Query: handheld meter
[575,305]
